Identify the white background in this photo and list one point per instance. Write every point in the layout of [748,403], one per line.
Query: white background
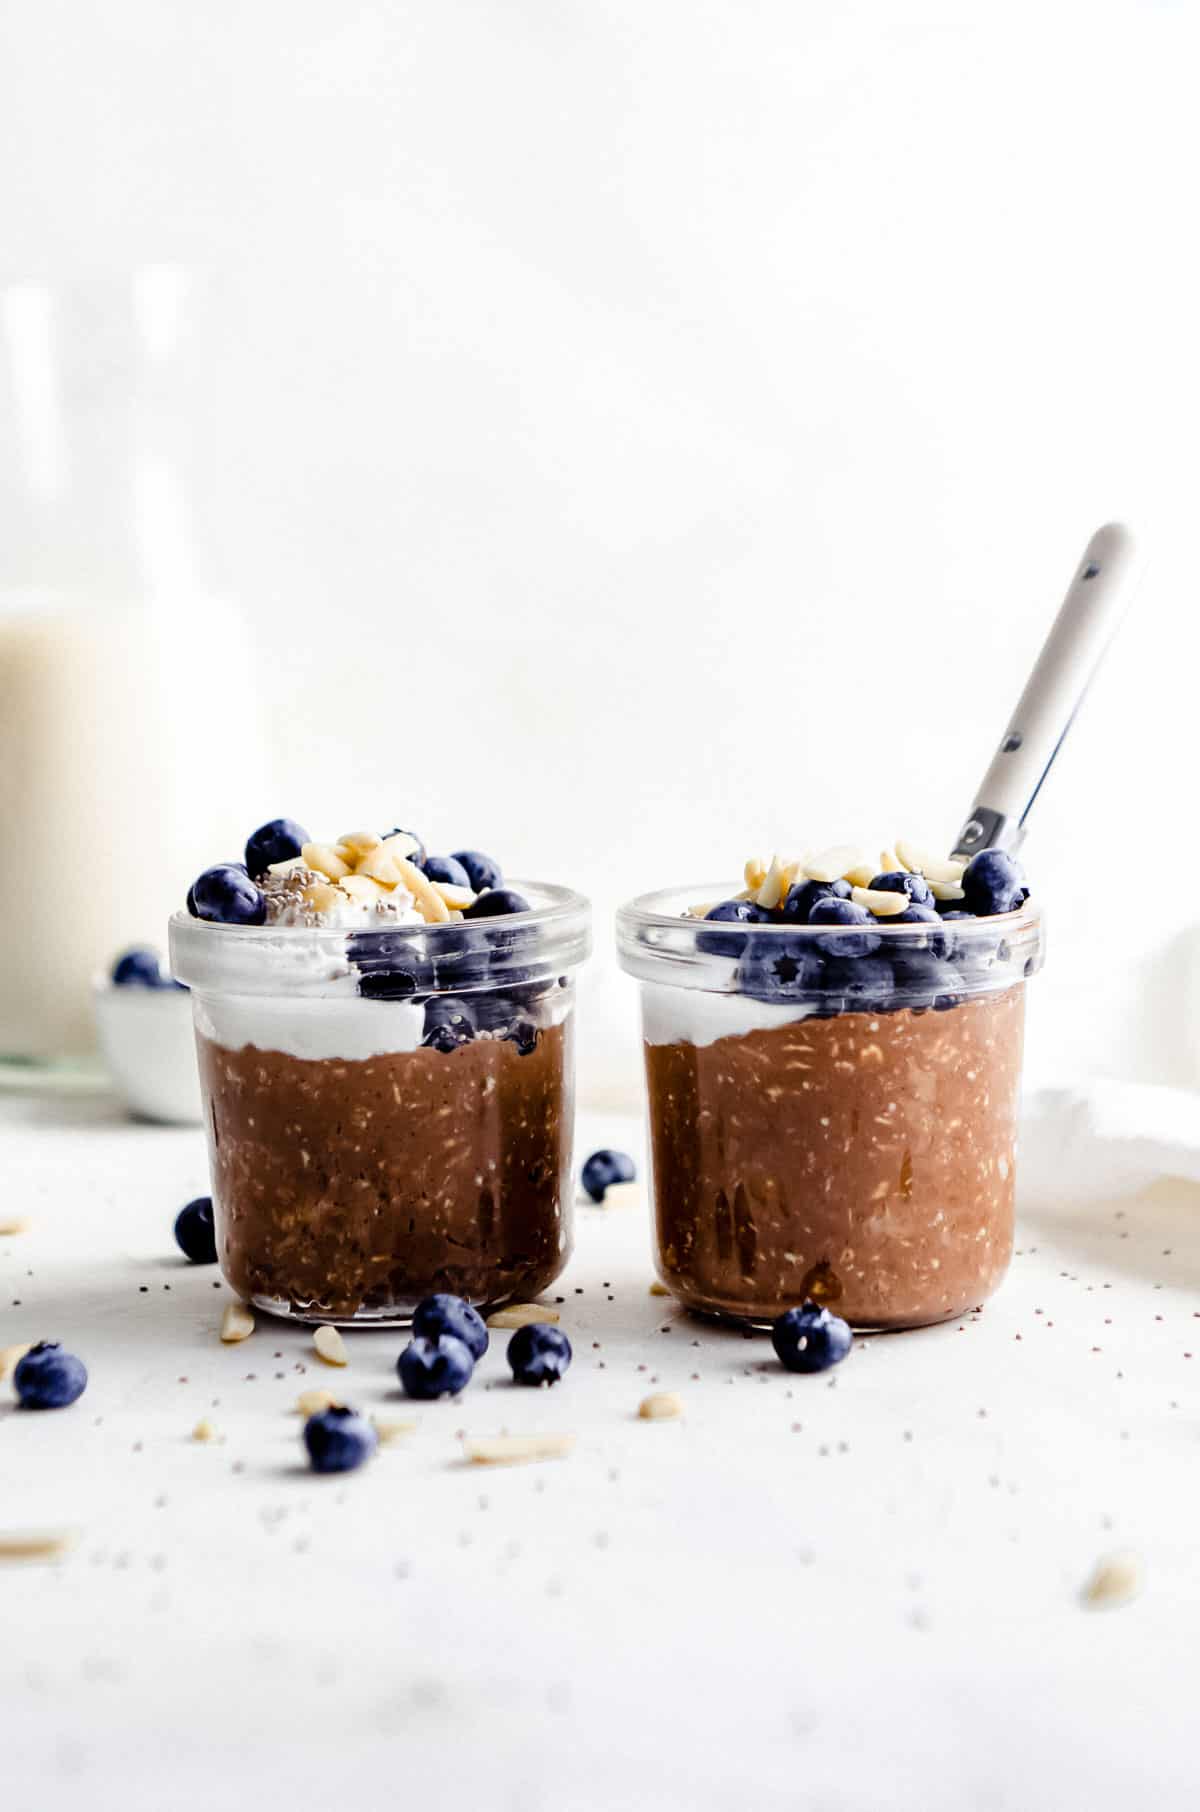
[641,434]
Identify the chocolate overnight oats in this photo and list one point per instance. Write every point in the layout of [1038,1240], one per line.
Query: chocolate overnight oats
[833,1062]
[386,1052]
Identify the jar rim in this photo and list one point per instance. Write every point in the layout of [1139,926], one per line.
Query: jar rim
[656,942]
[553,936]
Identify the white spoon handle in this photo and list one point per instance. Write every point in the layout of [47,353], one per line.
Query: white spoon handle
[1083,629]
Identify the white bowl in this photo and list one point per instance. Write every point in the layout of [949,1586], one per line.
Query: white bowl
[150,1049]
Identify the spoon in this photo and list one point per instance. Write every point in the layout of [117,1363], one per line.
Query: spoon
[1085,625]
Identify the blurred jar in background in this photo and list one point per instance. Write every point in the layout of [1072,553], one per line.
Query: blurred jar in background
[129,743]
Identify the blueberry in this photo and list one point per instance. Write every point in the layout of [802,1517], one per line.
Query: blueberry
[776,967]
[939,943]
[278,841]
[896,881]
[446,870]
[498,903]
[860,984]
[391,965]
[461,958]
[195,1234]
[435,1368]
[803,897]
[48,1378]
[924,980]
[449,1023]
[834,911]
[418,854]
[338,1439]
[730,912]
[524,1034]
[138,969]
[993,883]
[605,1167]
[538,1354]
[810,1339]
[445,1314]
[225,895]
[482,872]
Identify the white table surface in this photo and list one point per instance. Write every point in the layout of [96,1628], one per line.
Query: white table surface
[861,1587]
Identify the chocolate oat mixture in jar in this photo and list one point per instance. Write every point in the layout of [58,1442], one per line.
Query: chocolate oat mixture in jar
[386,1050]
[833,1062]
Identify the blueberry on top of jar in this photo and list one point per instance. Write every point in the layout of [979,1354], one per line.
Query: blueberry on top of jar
[730,912]
[900,881]
[279,841]
[993,883]
[802,897]
[447,870]
[497,903]
[836,913]
[225,895]
[482,872]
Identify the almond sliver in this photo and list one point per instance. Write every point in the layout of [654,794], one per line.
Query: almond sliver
[456,898]
[430,904]
[879,901]
[832,864]
[517,1450]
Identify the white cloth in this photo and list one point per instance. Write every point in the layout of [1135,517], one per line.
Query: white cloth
[1106,1140]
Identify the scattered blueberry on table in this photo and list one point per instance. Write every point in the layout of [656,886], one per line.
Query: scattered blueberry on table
[604,1168]
[446,1314]
[338,1439]
[810,1339]
[539,1353]
[279,841]
[48,1378]
[435,1368]
[195,1233]
[225,895]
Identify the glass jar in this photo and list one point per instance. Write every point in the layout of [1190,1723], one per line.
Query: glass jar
[389,1111]
[832,1109]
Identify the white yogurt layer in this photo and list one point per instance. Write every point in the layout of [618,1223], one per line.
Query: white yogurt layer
[349,1029]
[691,1016]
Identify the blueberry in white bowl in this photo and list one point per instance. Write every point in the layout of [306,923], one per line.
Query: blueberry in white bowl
[279,841]
[144,1027]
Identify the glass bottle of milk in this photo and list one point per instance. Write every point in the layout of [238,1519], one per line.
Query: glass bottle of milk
[129,748]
